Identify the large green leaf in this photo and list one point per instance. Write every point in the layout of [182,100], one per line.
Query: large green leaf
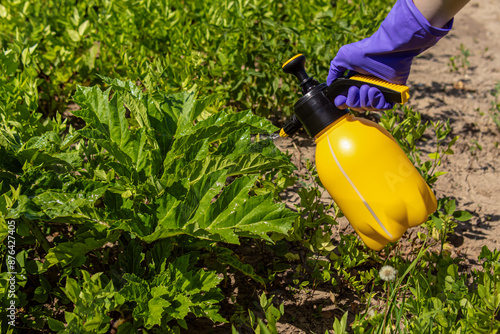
[58,205]
[249,119]
[150,113]
[73,252]
[210,210]
[107,124]
[256,217]
[237,151]
[43,150]
[215,128]
[166,115]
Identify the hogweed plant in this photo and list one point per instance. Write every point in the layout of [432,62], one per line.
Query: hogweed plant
[160,188]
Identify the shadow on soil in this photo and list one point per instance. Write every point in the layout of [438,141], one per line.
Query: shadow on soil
[304,312]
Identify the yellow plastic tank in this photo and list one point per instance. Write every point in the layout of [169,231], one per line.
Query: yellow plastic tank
[371,179]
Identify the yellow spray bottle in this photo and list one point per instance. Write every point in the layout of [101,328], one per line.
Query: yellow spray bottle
[359,163]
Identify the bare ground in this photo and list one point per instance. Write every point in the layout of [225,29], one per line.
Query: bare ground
[464,97]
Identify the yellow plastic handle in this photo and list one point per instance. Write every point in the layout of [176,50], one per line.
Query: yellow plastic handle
[403,90]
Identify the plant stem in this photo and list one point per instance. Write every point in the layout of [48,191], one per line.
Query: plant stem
[386,306]
[37,233]
[443,240]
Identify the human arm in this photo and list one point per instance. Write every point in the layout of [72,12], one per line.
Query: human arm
[439,12]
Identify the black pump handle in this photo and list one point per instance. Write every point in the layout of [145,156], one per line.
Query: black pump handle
[315,116]
[296,66]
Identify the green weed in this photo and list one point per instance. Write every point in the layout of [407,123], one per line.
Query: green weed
[495,106]
[460,62]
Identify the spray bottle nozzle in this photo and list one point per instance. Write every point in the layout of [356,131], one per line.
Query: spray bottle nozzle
[292,126]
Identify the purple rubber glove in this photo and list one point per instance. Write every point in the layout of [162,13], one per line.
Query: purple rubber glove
[363,99]
[387,54]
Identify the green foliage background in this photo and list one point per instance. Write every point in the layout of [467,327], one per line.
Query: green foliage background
[135,163]
[234,48]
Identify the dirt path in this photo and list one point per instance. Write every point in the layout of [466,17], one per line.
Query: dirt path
[464,96]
